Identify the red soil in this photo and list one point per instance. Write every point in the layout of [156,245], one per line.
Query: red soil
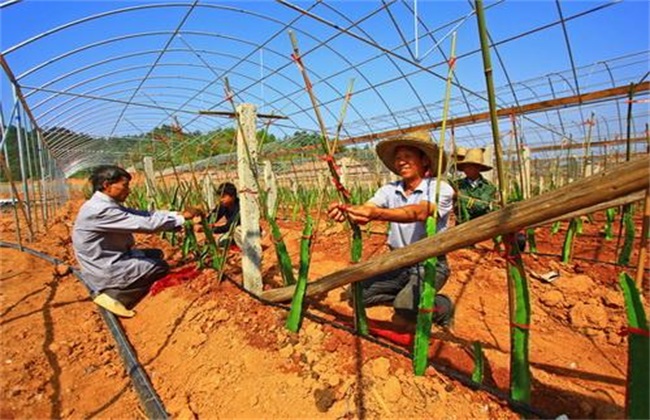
[213,351]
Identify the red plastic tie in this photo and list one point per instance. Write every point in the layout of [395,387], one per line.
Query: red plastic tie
[340,187]
[295,57]
[589,122]
[428,311]
[247,191]
[330,161]
[307,237]
[520,326]
[626,330]
[451,61]
[278,241]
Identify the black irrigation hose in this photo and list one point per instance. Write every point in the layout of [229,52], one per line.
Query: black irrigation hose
[517,406]
[149,399]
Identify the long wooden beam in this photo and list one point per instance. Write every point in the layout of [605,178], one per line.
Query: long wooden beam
[621,180]
[593,144]
[628,199]
[615,92]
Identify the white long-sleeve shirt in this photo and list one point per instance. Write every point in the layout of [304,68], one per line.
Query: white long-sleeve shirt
[102,239]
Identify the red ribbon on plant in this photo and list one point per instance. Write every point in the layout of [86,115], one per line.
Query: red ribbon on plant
[428,311]
[520,326]
[330,161]
[626,330]
[247,191]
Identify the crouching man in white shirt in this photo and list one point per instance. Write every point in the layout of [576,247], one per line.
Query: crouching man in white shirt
[119,275]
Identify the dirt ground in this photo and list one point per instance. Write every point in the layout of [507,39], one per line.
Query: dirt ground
[213,351]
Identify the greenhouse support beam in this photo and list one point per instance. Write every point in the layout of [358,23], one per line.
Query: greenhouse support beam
[18,92]
[619,181]
[566,101]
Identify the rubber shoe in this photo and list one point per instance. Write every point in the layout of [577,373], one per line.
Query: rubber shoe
[445,320]
[113,306]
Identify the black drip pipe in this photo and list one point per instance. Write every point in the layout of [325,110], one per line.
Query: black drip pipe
[149,399]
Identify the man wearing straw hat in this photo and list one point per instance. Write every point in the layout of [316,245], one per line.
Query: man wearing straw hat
[476,195]
[406,204]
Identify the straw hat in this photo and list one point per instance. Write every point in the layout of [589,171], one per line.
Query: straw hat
[420,140]
[460,153]
[474,157]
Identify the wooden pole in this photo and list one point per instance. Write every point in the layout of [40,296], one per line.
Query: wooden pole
[643,250]
[628,199]
[271,186]
[619,181]
[149,178]
[645,230]
[249,209]
[585,98]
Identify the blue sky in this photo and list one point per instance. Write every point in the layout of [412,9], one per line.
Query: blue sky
[221,36]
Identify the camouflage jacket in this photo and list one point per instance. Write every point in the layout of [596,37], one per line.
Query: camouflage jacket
[474,201]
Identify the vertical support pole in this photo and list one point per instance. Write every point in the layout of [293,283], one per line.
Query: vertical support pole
[23,174]
[248,204]
[150,177]
[41,165]
[30,171]
[645,232]
[14,194]
[518,295]
[525,161]
[208,191]
[271,185]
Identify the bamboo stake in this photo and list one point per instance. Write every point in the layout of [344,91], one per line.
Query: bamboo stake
[428,292]
[619,181]
[626,213]
[585,159]
[518,297]
[359,311]
[645,230]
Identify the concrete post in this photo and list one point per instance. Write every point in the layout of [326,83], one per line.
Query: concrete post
[271,185]
[248,198]
[150,178]
[208,191]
